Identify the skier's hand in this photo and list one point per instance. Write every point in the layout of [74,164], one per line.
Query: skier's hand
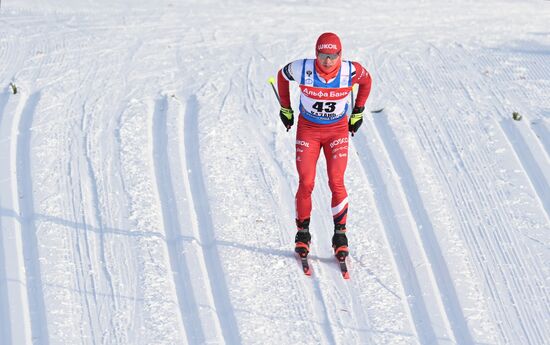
[356,119]
[287,116]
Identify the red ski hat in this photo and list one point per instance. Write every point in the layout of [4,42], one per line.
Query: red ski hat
[328,43]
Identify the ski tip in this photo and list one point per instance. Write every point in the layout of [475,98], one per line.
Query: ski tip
[345,275]
[307,272]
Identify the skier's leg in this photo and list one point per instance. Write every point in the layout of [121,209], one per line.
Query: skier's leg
[307,154]
[336,153]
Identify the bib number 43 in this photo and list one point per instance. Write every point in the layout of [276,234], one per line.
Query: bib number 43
[327,107]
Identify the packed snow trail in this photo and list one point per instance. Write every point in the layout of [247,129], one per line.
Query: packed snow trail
[147,184]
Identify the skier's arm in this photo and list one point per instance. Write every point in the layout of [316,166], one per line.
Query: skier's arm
[286,114]
[363,78]
[284,90]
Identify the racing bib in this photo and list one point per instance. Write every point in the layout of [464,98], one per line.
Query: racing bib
[321,102]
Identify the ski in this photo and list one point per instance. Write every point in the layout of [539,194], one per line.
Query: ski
[305,266]
[302,250]
[343,267]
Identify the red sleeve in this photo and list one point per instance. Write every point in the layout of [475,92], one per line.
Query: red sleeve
[284,90]
[363,78]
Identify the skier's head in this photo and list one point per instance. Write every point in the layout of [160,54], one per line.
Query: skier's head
[328,50]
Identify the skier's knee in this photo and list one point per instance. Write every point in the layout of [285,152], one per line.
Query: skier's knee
[307,186]
[336,185]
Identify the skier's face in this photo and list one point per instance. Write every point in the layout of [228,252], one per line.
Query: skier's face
[328,60]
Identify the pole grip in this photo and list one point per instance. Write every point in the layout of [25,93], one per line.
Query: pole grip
[271,82]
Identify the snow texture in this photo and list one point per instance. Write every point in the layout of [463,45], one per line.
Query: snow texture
[147,184]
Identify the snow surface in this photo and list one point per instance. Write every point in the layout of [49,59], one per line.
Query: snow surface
[147,185]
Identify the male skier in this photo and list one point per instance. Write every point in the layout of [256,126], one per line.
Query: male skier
[325,103]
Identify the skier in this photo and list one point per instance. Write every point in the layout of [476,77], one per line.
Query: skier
[325,103]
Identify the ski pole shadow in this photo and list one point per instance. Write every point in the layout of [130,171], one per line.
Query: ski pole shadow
[36,217]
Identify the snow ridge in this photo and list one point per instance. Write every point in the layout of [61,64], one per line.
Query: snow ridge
[182,278]
[435,261]
[394,226]
[147,184]
[205,227]
[25,209]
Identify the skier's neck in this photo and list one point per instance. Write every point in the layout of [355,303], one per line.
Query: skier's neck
[327,73]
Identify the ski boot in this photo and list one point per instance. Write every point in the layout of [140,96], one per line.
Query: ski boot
[303,238]
[340,242]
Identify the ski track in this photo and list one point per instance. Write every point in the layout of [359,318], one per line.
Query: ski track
[155,307]
[82,256]
[462,196]
[518,271]
[15,318]
[25,209]
[183,278]
[208,241]
[485,223]
[526,156]
[348,323]
[95,213]
[87,238]
[425,230]
[320,303]
[5,322]
[543,134]
[416,304]
[347,319]
[494,173]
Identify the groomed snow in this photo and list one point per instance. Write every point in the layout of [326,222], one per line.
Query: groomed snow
[147,184]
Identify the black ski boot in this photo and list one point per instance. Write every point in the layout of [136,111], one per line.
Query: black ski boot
[340,242]
[303,238]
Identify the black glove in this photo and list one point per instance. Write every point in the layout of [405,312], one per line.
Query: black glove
[287,116]
[356,119]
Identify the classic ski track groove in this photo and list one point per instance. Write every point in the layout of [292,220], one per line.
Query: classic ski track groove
[461,194]
[211,256]
[505,260]
[543,135]
[5,318]
[415,303]
[182,277]
[425,231]
[529,303]
[25,210]
[526,157]
[16,319]
[6,324]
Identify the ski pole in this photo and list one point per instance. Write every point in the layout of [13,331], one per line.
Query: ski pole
[352,100]
[271,81]
[352,104]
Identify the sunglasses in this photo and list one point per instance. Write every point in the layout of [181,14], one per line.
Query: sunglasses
[324,56]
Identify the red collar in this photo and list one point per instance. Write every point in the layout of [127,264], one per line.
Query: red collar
[330,74]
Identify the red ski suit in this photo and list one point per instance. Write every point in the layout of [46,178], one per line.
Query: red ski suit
[322,130]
